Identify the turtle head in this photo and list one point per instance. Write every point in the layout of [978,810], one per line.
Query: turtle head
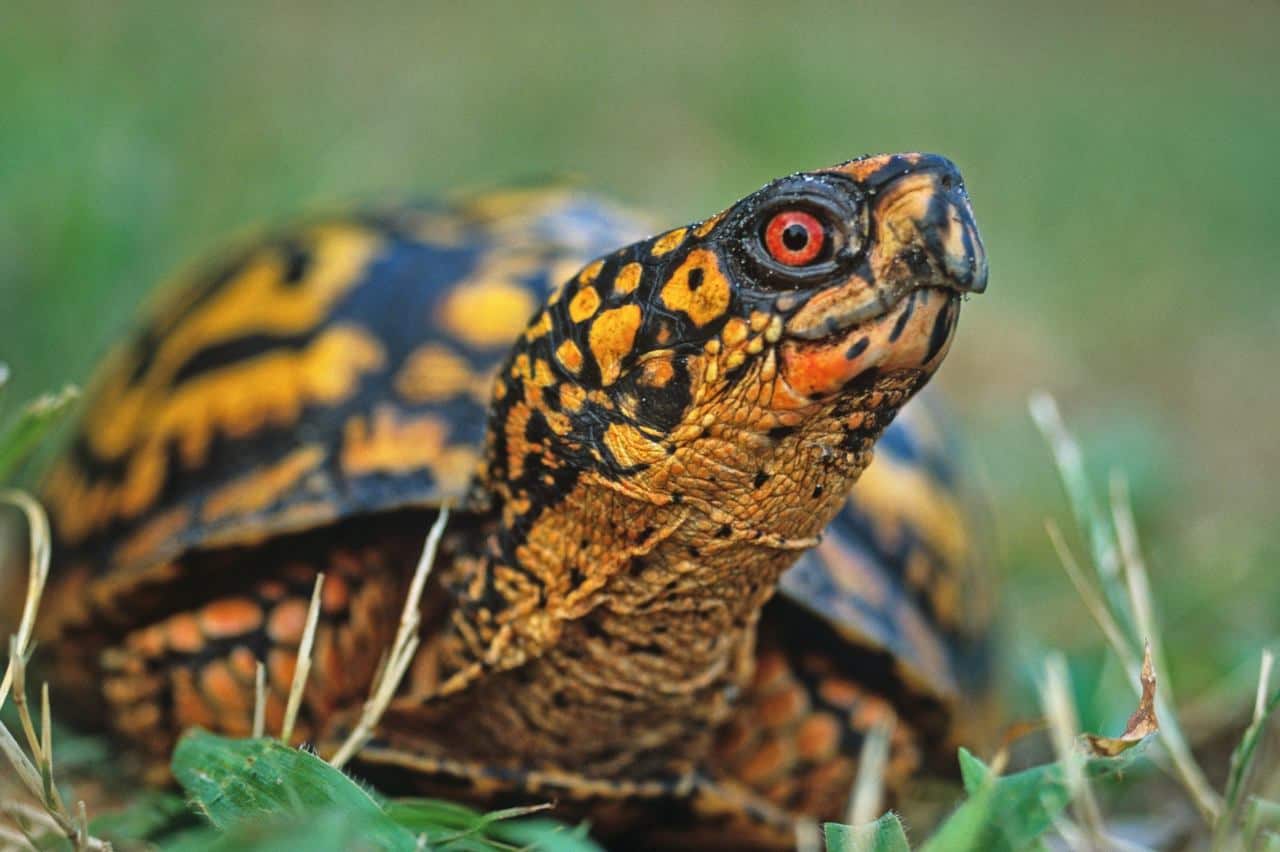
[813,307]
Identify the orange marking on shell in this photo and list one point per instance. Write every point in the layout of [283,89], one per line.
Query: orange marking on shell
[229,617]
[569,356]
[612,337]
[704,300]
[870,711]
[839,692]
[280,668]
[668,241]
[243,664]
[287,621]
[258,491]
[335,595]
[149,641]
[223,690]
[142,719]
[584,304]
[818,737]
[769,761]
[628,278]
[433,372]
[130,689]
[184,634]
[189,706]
[784,707]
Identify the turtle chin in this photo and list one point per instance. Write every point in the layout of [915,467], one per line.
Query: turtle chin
[913,334]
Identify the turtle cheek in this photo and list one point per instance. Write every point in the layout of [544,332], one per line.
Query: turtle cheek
[914,335]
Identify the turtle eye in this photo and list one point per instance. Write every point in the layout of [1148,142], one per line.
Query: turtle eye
[794,237]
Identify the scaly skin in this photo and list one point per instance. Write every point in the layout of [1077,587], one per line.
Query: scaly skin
[673,429]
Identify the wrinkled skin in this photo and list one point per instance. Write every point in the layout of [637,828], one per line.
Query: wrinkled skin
[674,428]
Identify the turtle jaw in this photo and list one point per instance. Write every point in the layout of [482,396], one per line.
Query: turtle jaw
[898,310]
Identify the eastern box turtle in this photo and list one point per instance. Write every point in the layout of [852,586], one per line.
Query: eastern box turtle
[636,449]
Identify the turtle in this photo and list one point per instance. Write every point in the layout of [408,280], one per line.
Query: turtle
[661,599]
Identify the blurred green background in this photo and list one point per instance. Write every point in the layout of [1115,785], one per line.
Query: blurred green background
[1122,164]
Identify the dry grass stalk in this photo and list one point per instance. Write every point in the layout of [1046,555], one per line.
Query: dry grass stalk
[1207,801]
[868,787]
[1059,709]
[260,701]
[303,668]
[394,666]
[1125,598]
[1264,687]
[36,773]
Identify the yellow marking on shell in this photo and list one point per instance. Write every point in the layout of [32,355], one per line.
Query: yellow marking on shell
[569,356]
[257,491]
[236,401]
[706,301]
[628,278]
[152,537]
[894,493]
[631,447]
[584,304]
[489,311]
[668,241]
[433,372]
[611,338]
[256,300]
[389,443]
[707,225]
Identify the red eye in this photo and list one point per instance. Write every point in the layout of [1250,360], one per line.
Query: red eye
[794,238]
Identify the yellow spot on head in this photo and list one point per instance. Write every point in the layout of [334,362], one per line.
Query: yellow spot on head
[657,373]
[584,304]
[612,337]
[699,288]
[628,279]
[489,312]
[433,372]
[591,272]
[541,325]
[705,228]
[569,356]
[668,241]
[735,331]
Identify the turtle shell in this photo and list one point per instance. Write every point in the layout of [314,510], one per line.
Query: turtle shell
[343,368]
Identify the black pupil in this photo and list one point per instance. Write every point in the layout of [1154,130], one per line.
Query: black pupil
[795,236]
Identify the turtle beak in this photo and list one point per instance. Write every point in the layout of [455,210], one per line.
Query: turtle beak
[927,224]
